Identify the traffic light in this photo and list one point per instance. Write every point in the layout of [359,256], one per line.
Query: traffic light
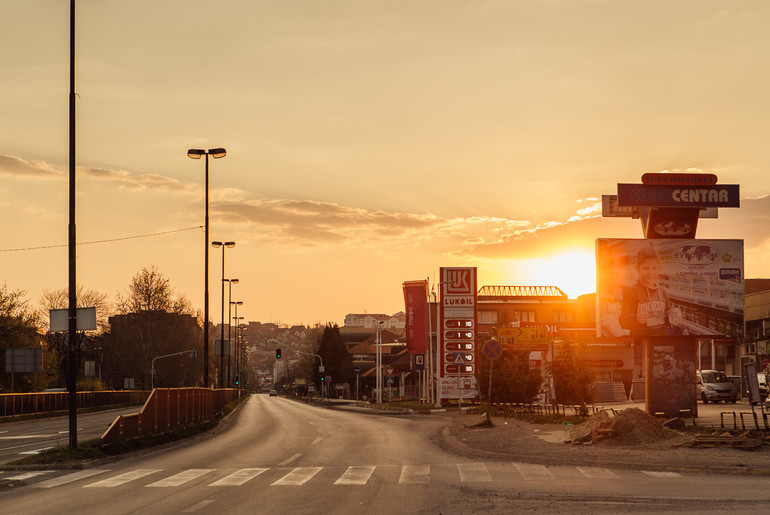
[277,353]
[236,380]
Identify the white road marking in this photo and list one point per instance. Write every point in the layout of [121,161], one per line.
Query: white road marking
[355,476]
[239,477]
[655,473]
[298,476]
[31,474]
[198,506]
[473,472]
[122,479]
[414,474]
[286,462]
[529,471]
[317,440]
[180,478]
[69,478]
[596,472]
[36,451]
[27,437]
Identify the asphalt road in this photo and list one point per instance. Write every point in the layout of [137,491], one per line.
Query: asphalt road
[275,455]
[18,439]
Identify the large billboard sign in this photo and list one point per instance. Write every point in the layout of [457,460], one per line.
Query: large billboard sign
[669,287]
[457,321]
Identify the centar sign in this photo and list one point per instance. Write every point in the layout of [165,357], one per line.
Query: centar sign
[725,195]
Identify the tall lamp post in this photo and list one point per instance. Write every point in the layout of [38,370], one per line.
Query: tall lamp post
[237,343]
[197,153]
[224,245]
[229,332]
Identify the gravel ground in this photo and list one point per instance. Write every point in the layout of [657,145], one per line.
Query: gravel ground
[517,440]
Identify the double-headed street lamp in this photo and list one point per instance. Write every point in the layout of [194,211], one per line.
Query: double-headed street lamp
[224,245]
[197,153]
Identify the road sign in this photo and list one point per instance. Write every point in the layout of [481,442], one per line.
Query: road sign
[523,335]
[459,358]
[419,361]
[390,379]
[492,349]
[328,379]
[357,370]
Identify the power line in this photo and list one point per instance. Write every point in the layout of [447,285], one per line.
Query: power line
[105,241]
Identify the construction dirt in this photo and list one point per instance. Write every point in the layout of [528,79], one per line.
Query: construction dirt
[631,438]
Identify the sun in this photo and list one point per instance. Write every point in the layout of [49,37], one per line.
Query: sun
[573,271]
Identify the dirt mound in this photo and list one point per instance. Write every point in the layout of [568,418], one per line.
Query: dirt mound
[628,427]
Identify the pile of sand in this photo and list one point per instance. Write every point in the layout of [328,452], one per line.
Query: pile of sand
[631,426]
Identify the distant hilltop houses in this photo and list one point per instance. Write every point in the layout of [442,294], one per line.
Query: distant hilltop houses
[370,320]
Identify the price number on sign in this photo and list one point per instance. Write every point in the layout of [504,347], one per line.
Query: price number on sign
[458,369]
[458,323]
[459,335]
[458,346]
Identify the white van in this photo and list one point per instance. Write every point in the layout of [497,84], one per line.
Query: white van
[715,386]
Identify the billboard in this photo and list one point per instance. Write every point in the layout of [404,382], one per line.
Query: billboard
[669,287]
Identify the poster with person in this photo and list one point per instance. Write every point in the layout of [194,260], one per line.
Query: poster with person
[657,288]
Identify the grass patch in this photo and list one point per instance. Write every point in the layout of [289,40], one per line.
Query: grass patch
[64,413]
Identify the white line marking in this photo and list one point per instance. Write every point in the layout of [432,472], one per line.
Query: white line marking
[239,477]
[27,437]
[530,471]
[31,474]
[317,440]
[655,473]
[298,476]
[69,478]
[414,474]
[180,478]
[596,472]
[286,462]
[198,506]
[355,476]
[36,451]
[473,472]
[122,479]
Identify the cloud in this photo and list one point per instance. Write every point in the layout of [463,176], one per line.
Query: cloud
[128,180]
[16,166]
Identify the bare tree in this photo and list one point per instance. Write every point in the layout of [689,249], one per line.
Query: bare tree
[151,291]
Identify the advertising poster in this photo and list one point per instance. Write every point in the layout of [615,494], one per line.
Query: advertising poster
[665,287]
[416,303]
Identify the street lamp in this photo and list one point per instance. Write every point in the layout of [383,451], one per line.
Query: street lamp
[229,326]
[224,245]
[237,342]
[197,153]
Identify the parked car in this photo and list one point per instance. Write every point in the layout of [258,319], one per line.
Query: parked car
[714,386]
[763,390]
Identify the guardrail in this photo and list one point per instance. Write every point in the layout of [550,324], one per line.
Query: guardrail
[167,409]
[12,404]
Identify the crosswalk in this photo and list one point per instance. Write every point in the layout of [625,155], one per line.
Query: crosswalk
[414,474]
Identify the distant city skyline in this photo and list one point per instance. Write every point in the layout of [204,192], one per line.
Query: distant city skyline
[369,143]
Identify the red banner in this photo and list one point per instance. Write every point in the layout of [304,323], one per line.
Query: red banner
[416,301]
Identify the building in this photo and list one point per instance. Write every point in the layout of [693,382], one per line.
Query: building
[370,320]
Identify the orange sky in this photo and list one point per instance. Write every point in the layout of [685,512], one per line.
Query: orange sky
[369,143]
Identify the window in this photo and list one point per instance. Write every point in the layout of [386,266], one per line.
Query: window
[487,316]
[562,316]
[524,316]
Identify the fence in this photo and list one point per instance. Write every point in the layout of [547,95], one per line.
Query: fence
[12,404]
[167,409]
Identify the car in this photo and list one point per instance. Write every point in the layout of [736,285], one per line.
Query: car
[273,393]
[714,386]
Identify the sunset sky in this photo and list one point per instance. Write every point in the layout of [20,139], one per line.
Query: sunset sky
[369,142]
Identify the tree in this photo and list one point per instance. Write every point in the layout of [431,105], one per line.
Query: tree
[512,379]
[153,322]
[57,344]
[337,360]
[149,290]
[18,329]
[571,377]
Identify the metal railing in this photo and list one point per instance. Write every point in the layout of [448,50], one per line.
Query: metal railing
[167,409]
[12,404]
